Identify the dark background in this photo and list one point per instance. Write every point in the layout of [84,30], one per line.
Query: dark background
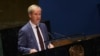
[72,16]
[66,17]
[14,12]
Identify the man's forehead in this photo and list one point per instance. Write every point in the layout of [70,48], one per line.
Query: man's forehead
[37,9]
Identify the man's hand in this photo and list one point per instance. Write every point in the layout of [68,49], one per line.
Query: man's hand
[50,46]
[33,51]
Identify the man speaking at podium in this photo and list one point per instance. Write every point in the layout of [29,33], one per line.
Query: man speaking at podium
[33,36]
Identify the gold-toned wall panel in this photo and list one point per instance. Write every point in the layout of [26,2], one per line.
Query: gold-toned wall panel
[14,11]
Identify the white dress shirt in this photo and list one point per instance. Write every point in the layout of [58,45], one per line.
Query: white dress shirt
[36,36]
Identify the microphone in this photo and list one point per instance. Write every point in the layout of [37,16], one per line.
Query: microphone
[55,36]
[52,37]
[61,35]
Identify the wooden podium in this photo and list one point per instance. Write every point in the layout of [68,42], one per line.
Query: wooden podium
[58,51]
[62,48]
[65,47]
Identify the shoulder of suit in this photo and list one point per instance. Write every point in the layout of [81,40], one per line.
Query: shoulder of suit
[43,24]
[25,27]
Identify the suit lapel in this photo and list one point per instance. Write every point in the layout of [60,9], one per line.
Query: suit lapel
[43,32]
[32,34]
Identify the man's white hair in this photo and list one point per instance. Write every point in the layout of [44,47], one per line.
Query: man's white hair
[31,8]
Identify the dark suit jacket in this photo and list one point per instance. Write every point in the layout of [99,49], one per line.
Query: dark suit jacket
[27,40]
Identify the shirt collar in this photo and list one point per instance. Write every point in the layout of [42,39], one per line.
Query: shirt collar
[32,24]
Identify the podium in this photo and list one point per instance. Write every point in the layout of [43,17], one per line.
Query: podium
[58,51]
[87,47]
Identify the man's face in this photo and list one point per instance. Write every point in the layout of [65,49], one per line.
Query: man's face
[35,16]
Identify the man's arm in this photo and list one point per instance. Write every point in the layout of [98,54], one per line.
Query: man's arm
[22,43]
[50,45]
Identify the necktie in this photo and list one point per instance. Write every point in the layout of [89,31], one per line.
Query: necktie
[40,38]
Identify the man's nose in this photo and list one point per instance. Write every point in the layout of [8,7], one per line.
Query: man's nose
[39,16]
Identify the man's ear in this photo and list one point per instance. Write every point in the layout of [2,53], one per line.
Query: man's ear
[29,15]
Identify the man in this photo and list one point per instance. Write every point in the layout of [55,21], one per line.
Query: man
[33,36]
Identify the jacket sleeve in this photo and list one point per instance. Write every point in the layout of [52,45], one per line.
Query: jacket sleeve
[22,43]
